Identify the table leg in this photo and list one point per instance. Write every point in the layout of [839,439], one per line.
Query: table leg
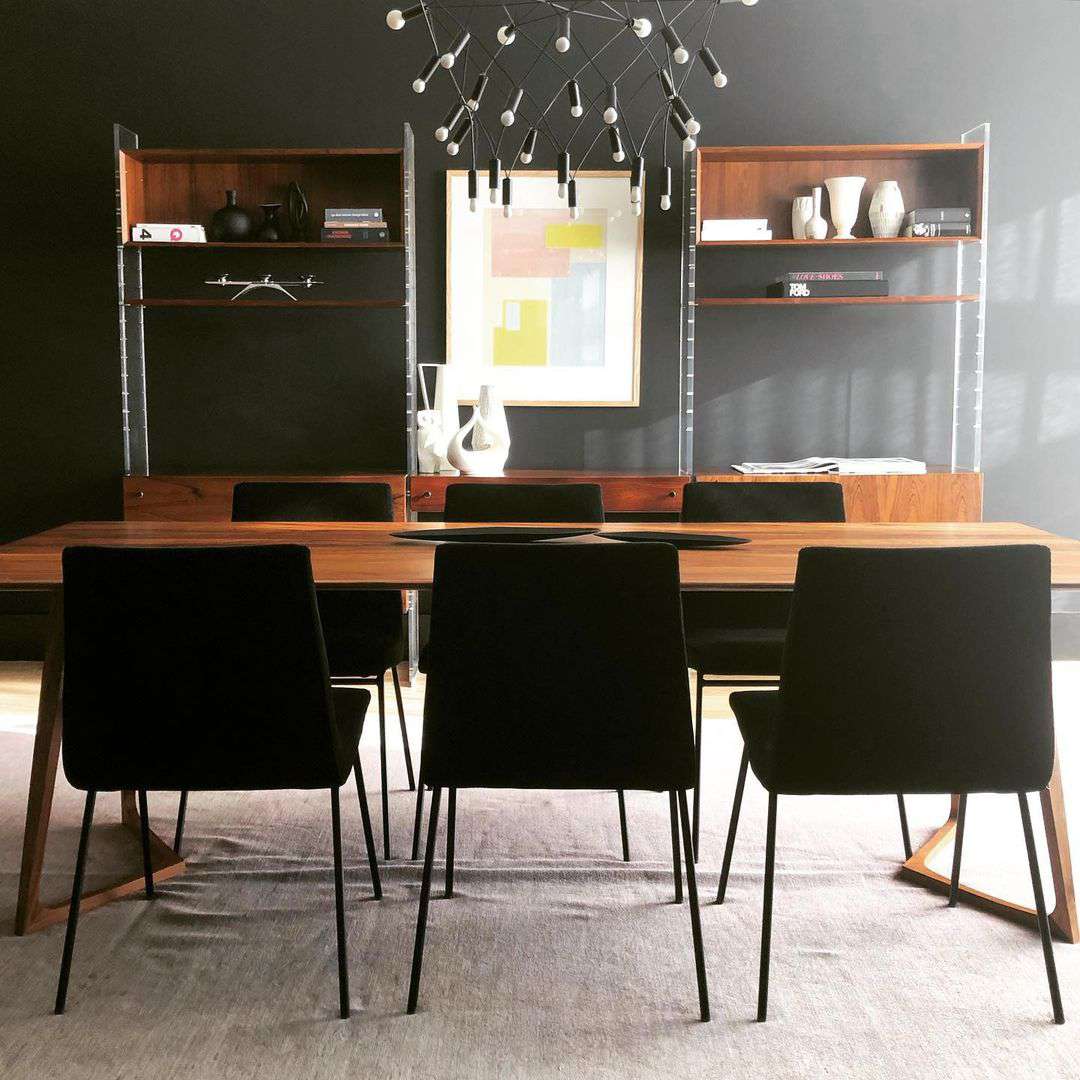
[31,913]
[1063,919]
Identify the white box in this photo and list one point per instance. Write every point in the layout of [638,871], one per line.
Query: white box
[158,233]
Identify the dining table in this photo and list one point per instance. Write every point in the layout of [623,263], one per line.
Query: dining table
[370,556]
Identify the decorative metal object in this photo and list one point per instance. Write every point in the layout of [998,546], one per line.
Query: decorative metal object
[297,209]
[305,281]
[569,69]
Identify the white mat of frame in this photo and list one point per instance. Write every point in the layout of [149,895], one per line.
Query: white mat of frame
[555,959]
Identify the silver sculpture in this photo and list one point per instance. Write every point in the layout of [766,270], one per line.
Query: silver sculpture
[305,281]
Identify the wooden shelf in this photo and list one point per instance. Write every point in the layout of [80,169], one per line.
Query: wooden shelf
[761,181]
[859,241]
[288,304]
[809,301]
[265,245]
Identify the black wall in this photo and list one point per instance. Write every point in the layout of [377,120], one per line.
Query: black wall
[264,390]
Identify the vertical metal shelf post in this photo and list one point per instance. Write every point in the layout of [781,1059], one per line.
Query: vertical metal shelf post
[687,315]
[409,213]
[970,330]
[129,286]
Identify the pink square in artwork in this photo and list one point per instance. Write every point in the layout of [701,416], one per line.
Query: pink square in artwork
[519,248]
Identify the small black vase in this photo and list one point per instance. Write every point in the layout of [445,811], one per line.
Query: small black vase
[231,222]
[270,230]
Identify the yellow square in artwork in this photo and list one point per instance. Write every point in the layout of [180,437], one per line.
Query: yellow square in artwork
[522,340]
[580,234]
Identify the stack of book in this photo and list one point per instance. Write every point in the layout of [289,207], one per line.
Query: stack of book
[735,229]
[355,224]
[806,284]
[886,466]
[159,232]
[938,221]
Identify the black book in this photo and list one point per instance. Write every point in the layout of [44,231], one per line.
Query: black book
[934,215]
[833,275]
[807,290]
[927,229]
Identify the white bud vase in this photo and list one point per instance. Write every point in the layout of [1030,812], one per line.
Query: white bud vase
[844,195]
[887,210]
[817,227]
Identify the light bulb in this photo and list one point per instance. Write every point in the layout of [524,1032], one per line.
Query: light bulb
[472,205]
[562,191]
[562,44]
[692,126]
[507,210]
[635,195]
[507,118]
[394,19]
[749,3]
[447,60]
[680,55]
[619,155]
[493,195]
[509,113]
[505,35]
[719,80]
[576,111]
[419,85]
[665,202]
[636,208]
[528,146]
[689,144]
[526,159]
[452,148]
[642,27]
[610,115]
[442,134]
[575,212]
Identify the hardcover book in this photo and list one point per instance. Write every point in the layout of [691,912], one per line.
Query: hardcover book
[352,213]
[355,235]
[937,214]
[806,290]
[928,229]
[834,275]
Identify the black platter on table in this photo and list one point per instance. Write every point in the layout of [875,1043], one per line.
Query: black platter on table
[494,534]
[682,540]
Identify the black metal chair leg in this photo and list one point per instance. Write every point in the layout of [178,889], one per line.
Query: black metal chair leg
[425,897]
[76,898]
[695,911]
[339,896]
[904,826]
[418,818]
[697,763]
[622,827]
[382,770]
[958,850]
[404,729]
[1040,910]
[676,852]
[766,914]
[369,837]
[144,832]
[181,813]
[733,825]
[451,830]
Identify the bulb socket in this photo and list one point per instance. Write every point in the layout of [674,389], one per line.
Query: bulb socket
[473,183]
[528,147]
[665,83]
[573,91]
[637,172]
[563,167]
[617,152]
[494,168]
[477,93]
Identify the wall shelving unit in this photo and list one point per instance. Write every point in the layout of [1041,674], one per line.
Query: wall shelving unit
[760,182]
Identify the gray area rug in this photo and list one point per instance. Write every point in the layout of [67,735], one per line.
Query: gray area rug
[555,959]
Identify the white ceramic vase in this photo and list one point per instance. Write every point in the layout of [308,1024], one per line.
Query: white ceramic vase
[817,227]
[802,210]
[886,210]
[436,425]
[490,438]
[844,195]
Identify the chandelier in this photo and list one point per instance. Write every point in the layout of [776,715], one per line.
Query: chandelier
[562,74]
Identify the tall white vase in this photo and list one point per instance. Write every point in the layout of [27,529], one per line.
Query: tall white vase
[490,438]
[844,195]
[816,228]
[887,210]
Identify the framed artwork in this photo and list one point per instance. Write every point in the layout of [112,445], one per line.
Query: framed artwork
[546,308]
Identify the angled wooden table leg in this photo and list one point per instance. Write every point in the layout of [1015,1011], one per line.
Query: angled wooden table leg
[30,913]
[1063,919]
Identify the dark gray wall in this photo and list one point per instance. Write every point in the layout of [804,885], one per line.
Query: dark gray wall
[322,391]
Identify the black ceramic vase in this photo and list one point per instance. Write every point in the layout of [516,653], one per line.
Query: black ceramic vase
[231,222]
[270,230]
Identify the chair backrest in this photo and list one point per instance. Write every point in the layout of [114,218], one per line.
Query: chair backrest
[918,670]
[763,500]
[198,668]
[557,667]
[524,502]
[270,500]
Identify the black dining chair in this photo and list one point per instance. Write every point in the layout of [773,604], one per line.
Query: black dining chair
[362,628]
[532,503]
[569,699]
[202,669]
[496,502]
[735,638]
[918,670]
